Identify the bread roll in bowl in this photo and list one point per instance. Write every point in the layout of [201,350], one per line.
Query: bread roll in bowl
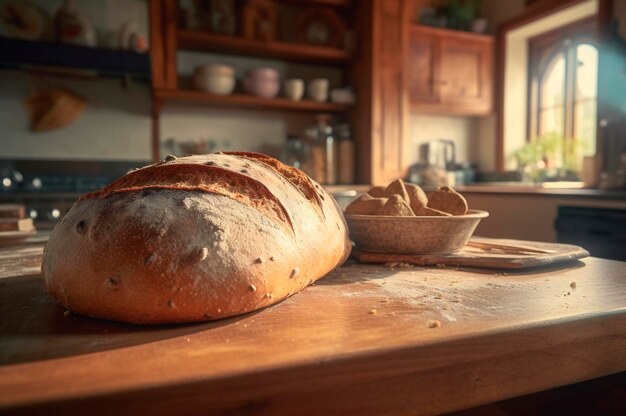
[194,238]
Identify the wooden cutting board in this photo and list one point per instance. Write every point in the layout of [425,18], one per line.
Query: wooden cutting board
[487,253]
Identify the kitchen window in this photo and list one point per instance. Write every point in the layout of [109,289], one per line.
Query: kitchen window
[563,78]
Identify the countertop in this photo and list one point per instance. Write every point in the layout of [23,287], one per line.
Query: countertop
[364,340]
[506,188]
[613,194]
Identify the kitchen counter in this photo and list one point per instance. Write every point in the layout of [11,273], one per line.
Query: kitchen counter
[519,188]
[364,340]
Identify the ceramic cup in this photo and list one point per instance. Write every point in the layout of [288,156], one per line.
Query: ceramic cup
[294,89]
[318,90]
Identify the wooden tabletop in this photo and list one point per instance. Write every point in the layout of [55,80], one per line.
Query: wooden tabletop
[364,340]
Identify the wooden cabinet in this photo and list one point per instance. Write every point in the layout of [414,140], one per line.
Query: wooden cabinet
[450,72]
[423,51]
[381,118]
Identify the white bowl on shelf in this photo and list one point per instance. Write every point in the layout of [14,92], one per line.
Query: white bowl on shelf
[214,78]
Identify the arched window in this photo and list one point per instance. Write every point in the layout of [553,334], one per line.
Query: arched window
[585,97]
[563,94]
[552,89]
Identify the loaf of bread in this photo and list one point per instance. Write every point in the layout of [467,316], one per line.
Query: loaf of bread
[194,238]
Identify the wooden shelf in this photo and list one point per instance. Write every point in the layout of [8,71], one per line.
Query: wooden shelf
[16,53]
[233,45]
[442,31]
[333,3]
[249,101]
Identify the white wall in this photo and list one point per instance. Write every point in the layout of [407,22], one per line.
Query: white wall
[115,125]
[496,12]
[425,127]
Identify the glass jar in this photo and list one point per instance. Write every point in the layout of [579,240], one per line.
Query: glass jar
[323,151]
[296,154]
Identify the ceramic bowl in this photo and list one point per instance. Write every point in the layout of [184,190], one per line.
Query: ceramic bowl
[215,79]
[413,235]
[262,82]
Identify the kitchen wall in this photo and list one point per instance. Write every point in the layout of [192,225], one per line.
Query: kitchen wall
[115,126]
[426,127]
[484,152]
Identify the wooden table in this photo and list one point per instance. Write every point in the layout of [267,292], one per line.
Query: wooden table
[364,340]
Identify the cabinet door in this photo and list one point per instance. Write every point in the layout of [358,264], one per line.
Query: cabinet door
[465,74]
[422,67]
[379,75]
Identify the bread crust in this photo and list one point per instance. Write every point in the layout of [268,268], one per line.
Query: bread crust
[159,252]
[447,200]
[397,188]
[366,205]
[396,206]
[417,197]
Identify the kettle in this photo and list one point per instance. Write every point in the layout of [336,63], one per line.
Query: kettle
[441,153]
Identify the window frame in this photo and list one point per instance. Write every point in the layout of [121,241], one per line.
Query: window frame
[533,12]
[542,49]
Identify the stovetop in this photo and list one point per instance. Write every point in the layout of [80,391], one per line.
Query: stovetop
[49,188]
[26,176]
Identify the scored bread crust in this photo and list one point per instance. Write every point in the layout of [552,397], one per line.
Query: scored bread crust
[194,238]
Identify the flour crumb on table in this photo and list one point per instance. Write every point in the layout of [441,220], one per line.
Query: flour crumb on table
[434,324]
[572,285]
[401,265]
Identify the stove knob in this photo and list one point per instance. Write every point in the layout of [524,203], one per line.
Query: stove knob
[7,183]
[36,183]
[9,179]
[54,214]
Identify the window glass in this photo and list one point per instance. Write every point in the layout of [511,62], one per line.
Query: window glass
[552,99]
[585,98]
